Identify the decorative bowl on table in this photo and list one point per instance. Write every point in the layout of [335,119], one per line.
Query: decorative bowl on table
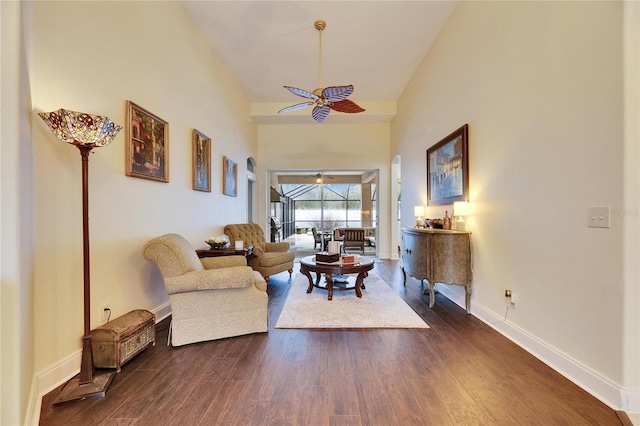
[218,243]
[216,246]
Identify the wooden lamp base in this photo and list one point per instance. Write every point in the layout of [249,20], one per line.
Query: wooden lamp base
[88,384]
[73,390]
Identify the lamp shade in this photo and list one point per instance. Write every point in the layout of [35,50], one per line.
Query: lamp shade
[79,128]
[460,208]
[418,211]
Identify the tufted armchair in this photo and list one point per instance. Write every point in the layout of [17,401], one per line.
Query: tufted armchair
[268,258]
[210,298]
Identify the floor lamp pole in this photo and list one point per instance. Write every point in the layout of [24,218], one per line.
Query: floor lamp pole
[89,383]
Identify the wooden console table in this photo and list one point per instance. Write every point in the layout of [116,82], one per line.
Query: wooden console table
[246,252]
[438,256]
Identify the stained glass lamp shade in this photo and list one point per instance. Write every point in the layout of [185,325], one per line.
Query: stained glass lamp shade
[85,131]
[79,128]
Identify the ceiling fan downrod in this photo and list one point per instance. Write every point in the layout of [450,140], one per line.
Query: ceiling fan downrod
[319,25]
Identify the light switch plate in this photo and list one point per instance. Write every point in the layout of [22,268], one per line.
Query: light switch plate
[599,217]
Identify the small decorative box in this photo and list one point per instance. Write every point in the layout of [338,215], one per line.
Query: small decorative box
[116,342]
[348,259]
[327,258]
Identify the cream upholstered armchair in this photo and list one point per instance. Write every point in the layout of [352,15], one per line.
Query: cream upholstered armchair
[269,258]
[210,298]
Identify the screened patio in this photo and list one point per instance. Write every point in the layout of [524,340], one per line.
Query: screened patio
[327,207]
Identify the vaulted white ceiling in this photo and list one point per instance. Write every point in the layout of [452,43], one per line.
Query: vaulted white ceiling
[374,45]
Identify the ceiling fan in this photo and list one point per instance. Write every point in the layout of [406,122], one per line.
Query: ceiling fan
[320,176]
[324,99]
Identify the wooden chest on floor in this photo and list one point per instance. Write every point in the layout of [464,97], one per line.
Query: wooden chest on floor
[117,341]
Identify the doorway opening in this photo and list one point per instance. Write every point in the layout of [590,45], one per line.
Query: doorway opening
[315,206]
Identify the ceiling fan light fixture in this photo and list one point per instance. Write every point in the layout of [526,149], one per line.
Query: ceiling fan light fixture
[324,99]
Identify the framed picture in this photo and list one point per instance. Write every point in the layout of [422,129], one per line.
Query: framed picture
[448,169]
[201,162]
[147,144]
[229,177]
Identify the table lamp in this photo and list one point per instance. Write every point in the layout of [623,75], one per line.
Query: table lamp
[460,209]
[86,132]
[418,212]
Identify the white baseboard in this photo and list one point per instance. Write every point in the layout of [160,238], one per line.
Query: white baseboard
[383,255]
[49,379]
[162,311]
[633,401]
[603,389]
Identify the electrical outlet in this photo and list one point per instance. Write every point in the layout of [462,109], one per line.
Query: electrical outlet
[599,217]
[511,299]
[105,310]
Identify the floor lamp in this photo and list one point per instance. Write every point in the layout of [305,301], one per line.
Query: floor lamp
[86,132]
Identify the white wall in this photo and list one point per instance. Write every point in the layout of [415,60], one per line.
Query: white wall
[541,86]
[631,213]
[16,223]
[328,146]
[93,57]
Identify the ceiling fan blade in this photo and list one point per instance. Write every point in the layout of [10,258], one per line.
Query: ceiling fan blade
[319,113]
[319,176]
[337,93]
[347,106]
[295,107]
[301,92]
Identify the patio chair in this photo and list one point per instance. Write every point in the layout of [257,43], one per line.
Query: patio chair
[353,238]
[317,238]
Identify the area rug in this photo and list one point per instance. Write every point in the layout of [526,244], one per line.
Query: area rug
[379,307]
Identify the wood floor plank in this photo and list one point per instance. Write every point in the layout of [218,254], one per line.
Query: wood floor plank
[251,412]
[171,399]
[458,372]
[204,391]
[343,395]
[341,420]
[222,409]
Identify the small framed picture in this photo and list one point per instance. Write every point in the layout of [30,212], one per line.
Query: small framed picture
[448,169]
[147,144]
[201,162]
[229,177]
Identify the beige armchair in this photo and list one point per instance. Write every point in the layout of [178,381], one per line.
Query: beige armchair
[210,298]
[268,258]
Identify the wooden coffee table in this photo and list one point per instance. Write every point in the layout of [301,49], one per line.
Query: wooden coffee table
[308,265]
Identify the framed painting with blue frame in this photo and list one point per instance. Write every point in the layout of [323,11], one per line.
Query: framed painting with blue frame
[448,169]
[229,177]
[201,162]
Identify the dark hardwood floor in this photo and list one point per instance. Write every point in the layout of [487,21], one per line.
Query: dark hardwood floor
[458,372]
